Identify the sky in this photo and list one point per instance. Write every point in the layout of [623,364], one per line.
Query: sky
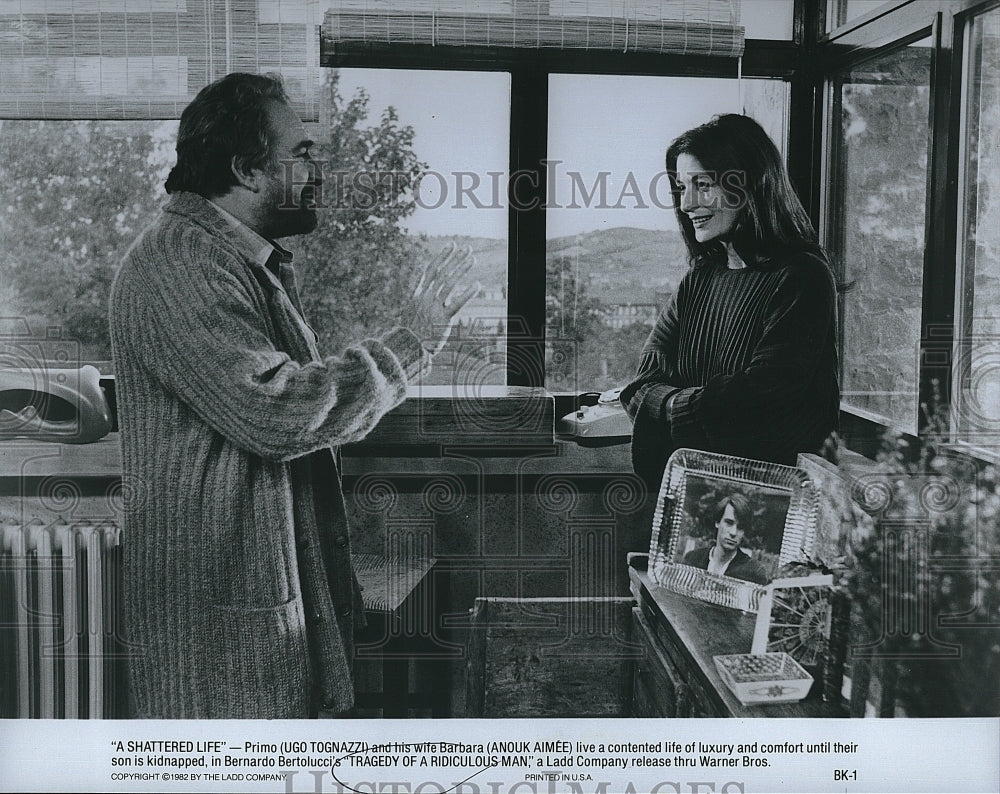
[460,122]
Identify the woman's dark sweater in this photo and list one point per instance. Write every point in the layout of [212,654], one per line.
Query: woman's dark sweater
[742,362]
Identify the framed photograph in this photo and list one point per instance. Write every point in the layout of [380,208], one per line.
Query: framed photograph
[724,526]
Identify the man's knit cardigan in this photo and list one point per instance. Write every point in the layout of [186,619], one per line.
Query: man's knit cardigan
[239,596]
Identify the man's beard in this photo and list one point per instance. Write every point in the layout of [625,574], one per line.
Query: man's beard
[285,214]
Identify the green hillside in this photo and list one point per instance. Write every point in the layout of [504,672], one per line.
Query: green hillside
[623,264]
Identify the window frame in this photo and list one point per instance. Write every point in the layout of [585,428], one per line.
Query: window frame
[833,175]
[529,71]
[866,37]
[958,129]
[849,25]
[806,63]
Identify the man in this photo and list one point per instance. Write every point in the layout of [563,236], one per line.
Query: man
[239,597]
[725,557]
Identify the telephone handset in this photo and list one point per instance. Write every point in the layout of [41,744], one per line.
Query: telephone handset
[605,421]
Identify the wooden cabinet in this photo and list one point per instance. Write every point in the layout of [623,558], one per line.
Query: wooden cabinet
[674,674]
[658,688]
[550,657]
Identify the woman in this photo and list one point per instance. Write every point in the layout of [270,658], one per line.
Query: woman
[743,359]
[725,557]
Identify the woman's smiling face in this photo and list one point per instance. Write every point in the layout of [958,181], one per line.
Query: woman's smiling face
[704,201]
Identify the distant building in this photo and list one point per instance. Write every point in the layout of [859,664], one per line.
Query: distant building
[489,306]
[620,316]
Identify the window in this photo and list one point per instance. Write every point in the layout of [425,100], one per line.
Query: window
[614,253]
[84,147]
[419,159]
[66,218]
[445,148]
[768,19]
[146,59]
[876,237]
[73,197]
[840,12]
[977,360]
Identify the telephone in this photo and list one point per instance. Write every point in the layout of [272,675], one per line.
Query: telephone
[61,404]
[605,421]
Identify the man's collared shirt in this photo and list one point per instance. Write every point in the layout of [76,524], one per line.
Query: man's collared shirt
[276,262]
[260,249]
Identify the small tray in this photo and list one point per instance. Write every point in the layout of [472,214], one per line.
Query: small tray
[763,677]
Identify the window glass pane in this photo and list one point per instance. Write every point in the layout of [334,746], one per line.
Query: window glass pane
[840,12]
[768,19]
[877,232]
[977,374]
[614,254]
[74,195]
[452,129]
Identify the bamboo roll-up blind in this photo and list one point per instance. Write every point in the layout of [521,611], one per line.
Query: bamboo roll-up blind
[146,59]
[704,27]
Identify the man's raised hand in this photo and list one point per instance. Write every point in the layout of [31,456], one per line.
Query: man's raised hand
[440,294]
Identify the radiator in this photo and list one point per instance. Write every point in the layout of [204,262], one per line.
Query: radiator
[60,657]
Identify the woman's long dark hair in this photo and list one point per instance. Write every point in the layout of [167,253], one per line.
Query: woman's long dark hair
[748,166]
